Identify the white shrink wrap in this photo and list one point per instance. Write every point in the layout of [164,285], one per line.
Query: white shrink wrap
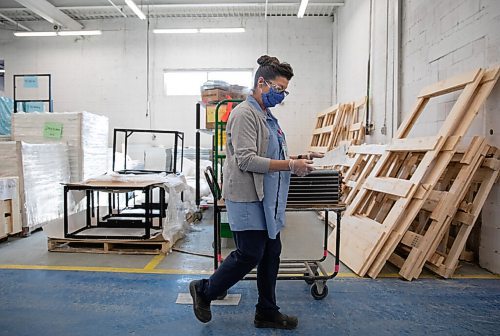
[85,134]
[45,167]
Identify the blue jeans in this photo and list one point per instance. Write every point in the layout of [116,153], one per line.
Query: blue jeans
[253,248]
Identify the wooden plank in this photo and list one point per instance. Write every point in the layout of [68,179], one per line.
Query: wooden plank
[389,185]
[408,123]
[464,218]
[449,85]
[491,163]
[358,237]
[411,239]
[355,127]
[328,110]
[326,129]
[108,247]
[367,149]
[422,144]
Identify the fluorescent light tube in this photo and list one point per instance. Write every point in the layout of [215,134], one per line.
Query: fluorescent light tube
[79,32]
[222,30]
[2,71]
[302,8]
[175,31]
[35,34]
[135,9]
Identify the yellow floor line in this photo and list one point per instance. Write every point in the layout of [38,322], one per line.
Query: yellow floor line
[155,262]
[150,269]
[104,269]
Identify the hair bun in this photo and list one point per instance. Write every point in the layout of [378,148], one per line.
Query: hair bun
[268,60]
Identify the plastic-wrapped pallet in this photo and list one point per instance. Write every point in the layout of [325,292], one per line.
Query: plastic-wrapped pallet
[45,167]
[41,169]
[85,134]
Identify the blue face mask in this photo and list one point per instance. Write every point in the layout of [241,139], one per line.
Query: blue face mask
[272,98]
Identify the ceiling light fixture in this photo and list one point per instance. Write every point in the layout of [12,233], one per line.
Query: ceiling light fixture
[175,31]
[59,33]
[22,34]
[135,9]
[79,33]
[302,8]
[200,30]
[222,30]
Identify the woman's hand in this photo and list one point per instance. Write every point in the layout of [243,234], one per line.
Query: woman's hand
[301,167]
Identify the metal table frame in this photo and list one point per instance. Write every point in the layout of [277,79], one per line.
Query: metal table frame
[178,137]
[92,211]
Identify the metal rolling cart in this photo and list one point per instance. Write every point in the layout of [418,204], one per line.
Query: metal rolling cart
[319,191]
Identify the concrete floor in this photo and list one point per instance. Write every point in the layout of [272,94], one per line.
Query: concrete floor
[302,238]
[47,303]
[50,293]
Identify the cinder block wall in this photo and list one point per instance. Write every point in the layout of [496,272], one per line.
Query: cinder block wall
[439,39]
[107,74]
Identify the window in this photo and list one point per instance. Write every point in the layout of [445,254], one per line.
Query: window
[188,82]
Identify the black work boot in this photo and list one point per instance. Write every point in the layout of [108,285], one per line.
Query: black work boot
[275,321]
[201,307]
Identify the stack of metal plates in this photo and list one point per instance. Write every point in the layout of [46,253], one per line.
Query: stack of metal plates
[319,187]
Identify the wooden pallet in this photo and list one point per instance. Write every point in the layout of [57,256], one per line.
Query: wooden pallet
[325,125]
[403,178]
[338,123]
[422,238]
[108,246]
[356,130]
[444,259]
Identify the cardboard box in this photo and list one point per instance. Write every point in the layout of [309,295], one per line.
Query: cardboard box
[213,95]
[210,115]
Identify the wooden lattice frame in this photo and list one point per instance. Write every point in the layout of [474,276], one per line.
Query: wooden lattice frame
[365,157]
[403,178]
[443,259]
[322,133]
[423,237]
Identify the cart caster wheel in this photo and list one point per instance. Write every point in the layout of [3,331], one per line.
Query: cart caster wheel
[315,292]
[222,296]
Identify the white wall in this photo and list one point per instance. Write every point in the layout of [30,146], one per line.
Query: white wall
[107,74]
[354,48]
[439,39]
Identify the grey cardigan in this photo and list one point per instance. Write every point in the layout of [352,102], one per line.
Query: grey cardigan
[246,149]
